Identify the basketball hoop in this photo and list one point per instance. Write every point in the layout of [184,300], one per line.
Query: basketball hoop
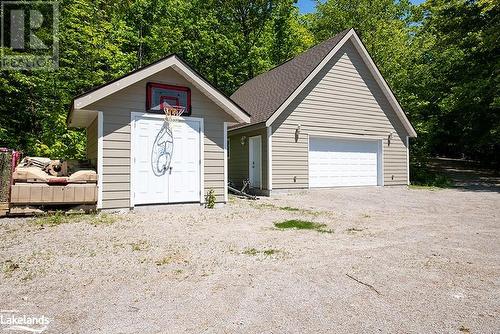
[173,113]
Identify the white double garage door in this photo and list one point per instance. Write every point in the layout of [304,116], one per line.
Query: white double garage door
[166,160]
[337,162]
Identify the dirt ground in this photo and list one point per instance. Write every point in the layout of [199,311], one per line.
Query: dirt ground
[430,260]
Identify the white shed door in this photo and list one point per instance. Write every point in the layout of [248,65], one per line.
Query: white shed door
[339,162]
[166,161]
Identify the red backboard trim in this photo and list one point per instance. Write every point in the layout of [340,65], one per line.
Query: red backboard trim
[151,85]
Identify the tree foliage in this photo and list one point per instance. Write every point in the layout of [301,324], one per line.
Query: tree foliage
[227,41]
[456,80]
[440,58]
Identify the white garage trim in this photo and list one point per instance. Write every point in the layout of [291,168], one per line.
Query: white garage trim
[269,158]
[100,157]
[308,160]
[381,165]
[225,163]
[132,155]
[372,146]
[133,116]
[202,160]
[408,159]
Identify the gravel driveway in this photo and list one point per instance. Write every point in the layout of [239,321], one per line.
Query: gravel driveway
[419,261]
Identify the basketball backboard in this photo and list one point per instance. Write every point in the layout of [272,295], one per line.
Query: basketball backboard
[160,96]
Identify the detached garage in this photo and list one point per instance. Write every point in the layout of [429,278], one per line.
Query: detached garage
[325,118]
[143,158]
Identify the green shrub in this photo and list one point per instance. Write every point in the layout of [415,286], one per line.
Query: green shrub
[423,176]
[210,199]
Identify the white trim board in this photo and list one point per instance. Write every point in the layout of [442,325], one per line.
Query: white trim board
[351,35]
[180,67]
[100,158]
[132,162]
[225,163]
[380,162]
[408,160]
[269,158]
[133,116]
[202,160]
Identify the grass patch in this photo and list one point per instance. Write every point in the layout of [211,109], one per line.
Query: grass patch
[288,208]
[304,211]
[176,257]
[302,225]
[102,219]
[267,252]
[353,230]
[266,206]
[324,230]
[163,261]
[299,225]
[9,267]
[60,217]
[57,218]
[140,245]
[464,329]
[422,187]
[250,251]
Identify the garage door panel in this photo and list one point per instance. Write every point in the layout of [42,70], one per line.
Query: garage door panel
[338,162]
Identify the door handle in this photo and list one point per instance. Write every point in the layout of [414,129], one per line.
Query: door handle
[170,170]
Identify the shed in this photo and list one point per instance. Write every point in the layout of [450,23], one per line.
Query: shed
[140,158]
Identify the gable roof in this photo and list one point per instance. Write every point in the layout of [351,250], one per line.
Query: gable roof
[171,61]
[267,95]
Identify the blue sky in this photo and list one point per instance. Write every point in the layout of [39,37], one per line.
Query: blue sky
[307,6]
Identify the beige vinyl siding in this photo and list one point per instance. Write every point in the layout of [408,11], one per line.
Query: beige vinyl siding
[239,156]
[343,100]
[92,143]
[116,110]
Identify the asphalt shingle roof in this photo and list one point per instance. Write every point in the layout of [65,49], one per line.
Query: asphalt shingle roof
[264,94]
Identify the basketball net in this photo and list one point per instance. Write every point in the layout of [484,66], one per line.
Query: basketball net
[173,113]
